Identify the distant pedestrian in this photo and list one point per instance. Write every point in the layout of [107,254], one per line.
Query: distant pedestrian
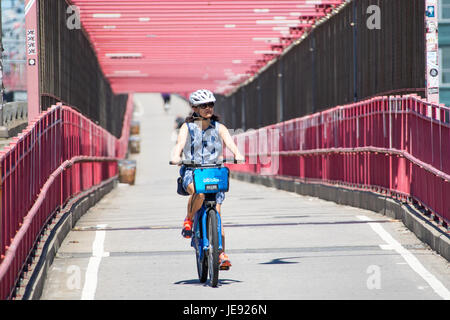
[166,98]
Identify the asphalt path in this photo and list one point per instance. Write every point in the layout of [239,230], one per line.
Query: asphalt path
[282,245]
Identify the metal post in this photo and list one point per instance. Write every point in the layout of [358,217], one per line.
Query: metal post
[243,124]
[2,88]
[280,91]
[32,43]
[312,49]
[355,52]
[259,106]
[233,112]
[431,51]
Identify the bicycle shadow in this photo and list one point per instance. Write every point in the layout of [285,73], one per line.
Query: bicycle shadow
[195,282]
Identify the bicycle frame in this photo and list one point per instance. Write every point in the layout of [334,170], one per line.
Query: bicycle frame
[200,237]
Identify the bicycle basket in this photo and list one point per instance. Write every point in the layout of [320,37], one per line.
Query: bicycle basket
[211,180]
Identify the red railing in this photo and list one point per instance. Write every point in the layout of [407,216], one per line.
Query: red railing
[399,146]
[58,156]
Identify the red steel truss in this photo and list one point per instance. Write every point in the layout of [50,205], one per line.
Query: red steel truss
[179,46]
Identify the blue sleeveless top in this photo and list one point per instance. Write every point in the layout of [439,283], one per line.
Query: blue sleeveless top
[203,146]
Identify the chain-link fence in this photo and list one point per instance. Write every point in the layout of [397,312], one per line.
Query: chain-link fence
[70,72]
[343,60]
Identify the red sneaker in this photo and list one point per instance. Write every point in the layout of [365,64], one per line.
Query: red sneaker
[224,262]
[187,228]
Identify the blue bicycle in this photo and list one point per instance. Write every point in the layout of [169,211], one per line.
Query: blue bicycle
[209,179]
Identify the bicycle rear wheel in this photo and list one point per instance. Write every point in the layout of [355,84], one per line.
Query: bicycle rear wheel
[213,252]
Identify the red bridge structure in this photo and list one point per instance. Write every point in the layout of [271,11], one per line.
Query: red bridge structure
[397,146]
[320,99]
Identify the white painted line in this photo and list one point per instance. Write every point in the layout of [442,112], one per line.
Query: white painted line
[412,261]
[90,282]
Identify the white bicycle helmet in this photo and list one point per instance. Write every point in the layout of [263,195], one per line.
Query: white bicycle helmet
[201,96]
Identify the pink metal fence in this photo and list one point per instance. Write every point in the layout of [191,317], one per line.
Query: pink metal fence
[399,146]
[58,156]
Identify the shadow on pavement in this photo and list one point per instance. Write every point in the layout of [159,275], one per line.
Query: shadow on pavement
[206,284]
[281,261]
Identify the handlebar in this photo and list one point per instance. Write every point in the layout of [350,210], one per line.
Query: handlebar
[189,163]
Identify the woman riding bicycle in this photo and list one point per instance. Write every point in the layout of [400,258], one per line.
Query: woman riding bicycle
[200,138]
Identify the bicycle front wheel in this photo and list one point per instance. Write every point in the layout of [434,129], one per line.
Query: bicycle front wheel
[213,251]
[202,265]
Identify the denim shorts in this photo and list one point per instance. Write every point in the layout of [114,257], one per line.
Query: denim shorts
[186,174]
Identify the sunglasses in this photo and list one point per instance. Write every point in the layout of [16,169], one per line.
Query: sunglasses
[206,105]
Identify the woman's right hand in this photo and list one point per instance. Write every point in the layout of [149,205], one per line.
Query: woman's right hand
[239,157]
[176,159]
